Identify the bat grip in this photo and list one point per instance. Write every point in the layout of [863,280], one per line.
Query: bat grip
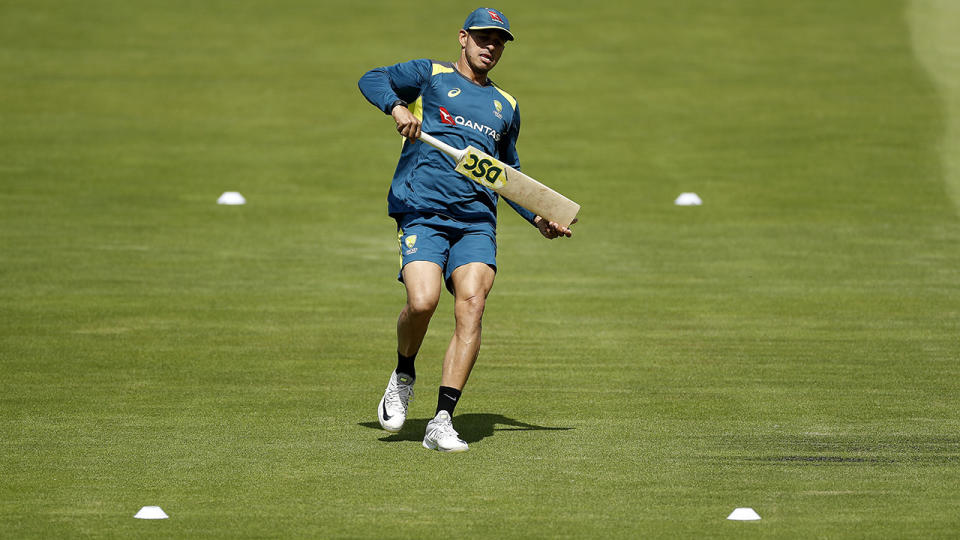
[442,146]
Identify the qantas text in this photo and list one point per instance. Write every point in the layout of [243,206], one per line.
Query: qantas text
[448,118]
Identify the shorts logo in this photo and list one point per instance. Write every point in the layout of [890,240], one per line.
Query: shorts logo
[446,117]
[499,108]
[453,93]
[495,16]
[409,241]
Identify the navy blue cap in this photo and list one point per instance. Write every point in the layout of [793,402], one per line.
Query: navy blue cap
[488,19]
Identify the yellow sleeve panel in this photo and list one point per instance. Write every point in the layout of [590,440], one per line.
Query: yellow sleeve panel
[417,108]
[440,68]
[508,97]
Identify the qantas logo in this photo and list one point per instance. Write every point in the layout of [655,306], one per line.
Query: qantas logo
[446,117]
[451,120]
[495,16]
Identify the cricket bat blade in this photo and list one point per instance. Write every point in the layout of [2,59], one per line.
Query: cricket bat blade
[489,171]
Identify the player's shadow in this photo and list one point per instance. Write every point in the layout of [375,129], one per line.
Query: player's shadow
[472,427]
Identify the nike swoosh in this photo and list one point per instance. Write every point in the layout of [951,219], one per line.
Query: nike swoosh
[386,417]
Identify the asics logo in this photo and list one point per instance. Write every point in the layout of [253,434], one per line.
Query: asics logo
[453,93]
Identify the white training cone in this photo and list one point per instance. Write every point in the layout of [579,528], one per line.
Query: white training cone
[743,514]
[231,198]
[151,512]
[688,199]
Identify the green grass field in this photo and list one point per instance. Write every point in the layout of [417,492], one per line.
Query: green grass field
[790,346]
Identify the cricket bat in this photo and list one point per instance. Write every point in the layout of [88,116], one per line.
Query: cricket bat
[489,171]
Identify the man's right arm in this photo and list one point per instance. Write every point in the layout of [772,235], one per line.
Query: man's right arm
[385,86]
[391,88]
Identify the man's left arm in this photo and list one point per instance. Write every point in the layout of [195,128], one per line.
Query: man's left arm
[508,155]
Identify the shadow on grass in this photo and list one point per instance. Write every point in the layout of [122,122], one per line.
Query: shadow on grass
[472,427]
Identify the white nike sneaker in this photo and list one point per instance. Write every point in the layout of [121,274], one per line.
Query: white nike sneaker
[392,411]
[441,436]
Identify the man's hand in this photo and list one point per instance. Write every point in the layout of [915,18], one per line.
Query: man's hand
[408,125]
[551,230]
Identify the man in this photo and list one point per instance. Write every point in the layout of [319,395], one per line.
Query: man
[446,225]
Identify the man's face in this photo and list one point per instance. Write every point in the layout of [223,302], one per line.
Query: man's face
[482,48]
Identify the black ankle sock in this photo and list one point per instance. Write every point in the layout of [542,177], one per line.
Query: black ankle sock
[405,365]
[447,399]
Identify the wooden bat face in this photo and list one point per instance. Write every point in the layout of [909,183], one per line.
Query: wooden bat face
[490,172]
[483,168]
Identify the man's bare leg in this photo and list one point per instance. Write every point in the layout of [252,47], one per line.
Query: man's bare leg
[423,280]
[471,284]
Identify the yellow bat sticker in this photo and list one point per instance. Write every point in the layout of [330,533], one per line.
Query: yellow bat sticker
[482,169]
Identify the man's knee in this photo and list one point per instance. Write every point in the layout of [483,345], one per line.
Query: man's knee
[475,302]
[470,308]
[422,306]
[422,280]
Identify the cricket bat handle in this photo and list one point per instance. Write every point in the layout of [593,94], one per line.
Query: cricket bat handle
[442,146]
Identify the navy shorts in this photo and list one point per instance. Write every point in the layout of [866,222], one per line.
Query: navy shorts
[445,241]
